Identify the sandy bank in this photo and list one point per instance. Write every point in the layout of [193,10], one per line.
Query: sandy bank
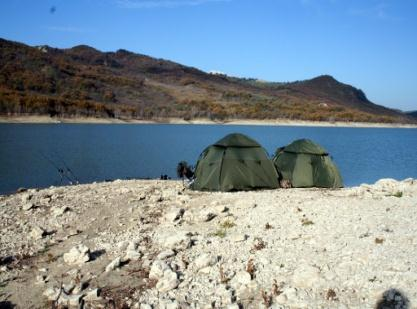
[277,122]
[154,244]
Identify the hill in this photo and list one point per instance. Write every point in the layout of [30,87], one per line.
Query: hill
[412,114]
[82,81]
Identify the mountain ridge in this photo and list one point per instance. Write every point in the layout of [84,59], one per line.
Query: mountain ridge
[83,81]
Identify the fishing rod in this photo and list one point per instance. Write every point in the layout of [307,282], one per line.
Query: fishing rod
[70,172]
[60,171]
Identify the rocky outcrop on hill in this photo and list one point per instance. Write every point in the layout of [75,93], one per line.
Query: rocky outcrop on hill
[156,244]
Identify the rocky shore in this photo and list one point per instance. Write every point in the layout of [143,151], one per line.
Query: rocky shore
[205,121]
[155,244]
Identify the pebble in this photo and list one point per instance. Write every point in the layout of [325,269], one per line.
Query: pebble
[306,276]
[68,287]
[203,260]
[168,282]
[26,197]
[158,269]
[52,293]
[79,254]
[131,255]
[59,211]
[238,237]
[180,240]
[175,215]
[114,264]
[169,304]
[28,206]
[70,300]
[207,215]
[37,233]
[242,277]
[92,295]
[165,254]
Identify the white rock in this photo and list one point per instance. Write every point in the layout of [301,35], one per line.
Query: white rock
[68,287]
[28,206]
[37,233]
[233,306]
[206,270]
[26,197]
[238,237]
[291,294]
[77,255]
[203,260]
[52,293]
[59,211]
[169,304]
[70,300]
[132,246]
[168,282]
[221,209]
[145,306]
[206,215]
[114,264]
[224,294]
[242,278]
[281,298]
[174,215]
[41,278]
[92,295]
[179,240]
[165,254]
[132,256]
[306,276]
[158,269]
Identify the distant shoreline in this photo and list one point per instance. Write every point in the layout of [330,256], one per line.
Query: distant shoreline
[203,121]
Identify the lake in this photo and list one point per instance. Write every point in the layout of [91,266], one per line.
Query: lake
[30,154]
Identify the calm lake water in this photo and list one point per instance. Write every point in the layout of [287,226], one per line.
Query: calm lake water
[96,152]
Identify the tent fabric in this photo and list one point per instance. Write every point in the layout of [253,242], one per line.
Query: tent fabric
[305,146]
[307,164]
[234,163]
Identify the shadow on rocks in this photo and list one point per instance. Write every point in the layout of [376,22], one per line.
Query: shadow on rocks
[393,299]
[6,305]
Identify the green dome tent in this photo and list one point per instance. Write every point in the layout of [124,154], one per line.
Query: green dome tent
[307,164]
[236,162]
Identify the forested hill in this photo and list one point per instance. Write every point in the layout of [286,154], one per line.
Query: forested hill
[82,81]
[412,114]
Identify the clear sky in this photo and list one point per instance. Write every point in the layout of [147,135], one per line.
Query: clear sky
[370,44]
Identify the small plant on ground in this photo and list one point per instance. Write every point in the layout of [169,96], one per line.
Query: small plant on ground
[259,244]
[220,233]
[267,299]
[250,268]
[331,295]
[268,226]
[398,194]
[275,289]
[379,240]
[227,224]
[306,222]
[223,277]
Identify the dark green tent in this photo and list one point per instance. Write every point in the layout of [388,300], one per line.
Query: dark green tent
[236,162]
[306,164]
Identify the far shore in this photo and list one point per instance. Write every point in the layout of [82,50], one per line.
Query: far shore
[259,122]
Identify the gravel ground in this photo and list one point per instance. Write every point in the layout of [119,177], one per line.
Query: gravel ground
[155,244]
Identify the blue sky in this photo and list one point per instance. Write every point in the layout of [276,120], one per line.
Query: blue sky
[370,44]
